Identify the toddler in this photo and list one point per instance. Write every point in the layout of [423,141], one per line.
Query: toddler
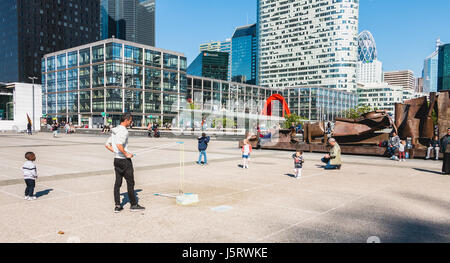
[30,175]
[298,163]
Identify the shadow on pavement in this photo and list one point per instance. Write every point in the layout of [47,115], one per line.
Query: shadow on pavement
[427,171]
[42,193]
[126,199]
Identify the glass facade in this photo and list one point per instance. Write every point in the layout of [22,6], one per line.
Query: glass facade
[312,103]
[210,64]
[31,29]
[132,20]
[113,76]
[444,68]
[244,55]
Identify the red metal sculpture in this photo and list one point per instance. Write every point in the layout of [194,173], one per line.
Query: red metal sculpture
[267,111]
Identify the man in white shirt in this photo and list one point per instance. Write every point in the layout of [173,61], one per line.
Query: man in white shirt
[123,166]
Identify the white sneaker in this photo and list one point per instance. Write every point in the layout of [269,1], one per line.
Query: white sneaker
[26,197]
[33,198]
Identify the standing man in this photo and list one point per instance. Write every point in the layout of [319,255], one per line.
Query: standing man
[333,159]
[445,149]
[123,166]
[30,132]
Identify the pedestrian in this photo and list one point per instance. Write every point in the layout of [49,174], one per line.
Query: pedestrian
[67,128]
[393,144]
[123,166]
[401,151]
[55,130]
[333,158]
[202,146]
[445,149]
[30,132]
[30,175]
[298,163]
[435,145]
[246,151]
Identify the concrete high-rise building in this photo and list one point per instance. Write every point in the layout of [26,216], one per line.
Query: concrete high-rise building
[430,70]
[131,20]
[244,54]
[308,43]
[30,29]
[419,85]
[220,46]
[402,78]
[369,72]
[444,68]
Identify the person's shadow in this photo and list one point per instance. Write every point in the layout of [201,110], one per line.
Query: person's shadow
[126,199]
[290,175]
[42,193]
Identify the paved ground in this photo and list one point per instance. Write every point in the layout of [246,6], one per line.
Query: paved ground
[370,196]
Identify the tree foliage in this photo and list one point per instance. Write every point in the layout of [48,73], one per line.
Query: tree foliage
[357,111]
[292,119]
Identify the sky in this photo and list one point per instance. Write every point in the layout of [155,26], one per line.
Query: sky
[405,31]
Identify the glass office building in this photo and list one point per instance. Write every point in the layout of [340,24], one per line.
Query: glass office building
[244,55]
[444,68]
[210,64]
[113,76]
[31,29]
[312,103]
[220,46]
[131,20]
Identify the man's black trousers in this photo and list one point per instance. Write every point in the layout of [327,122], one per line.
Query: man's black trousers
[124,169]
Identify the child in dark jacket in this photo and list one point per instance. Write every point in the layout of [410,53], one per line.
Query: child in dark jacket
[202,146]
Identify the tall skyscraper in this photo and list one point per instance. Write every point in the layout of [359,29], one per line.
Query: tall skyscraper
[430,70]
[219,46]
[444,68]
[308,43]
[30,29]
[402,78]
[132,20]
[369,69]
[244,54]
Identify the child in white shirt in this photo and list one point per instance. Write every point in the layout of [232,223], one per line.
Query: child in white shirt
[30,175]
[246,150]
[401,151]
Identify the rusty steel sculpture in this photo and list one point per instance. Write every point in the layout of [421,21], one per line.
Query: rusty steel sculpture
[362,130]
[414,117]
[413,120]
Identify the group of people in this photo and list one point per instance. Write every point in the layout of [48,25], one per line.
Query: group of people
[123,165]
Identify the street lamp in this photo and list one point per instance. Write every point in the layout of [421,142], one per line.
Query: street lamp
[33,79]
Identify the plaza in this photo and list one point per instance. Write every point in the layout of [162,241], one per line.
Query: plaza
[368,197]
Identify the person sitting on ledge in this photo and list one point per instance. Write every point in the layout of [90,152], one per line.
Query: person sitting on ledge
[333,159]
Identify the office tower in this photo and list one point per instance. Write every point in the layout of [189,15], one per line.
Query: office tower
[210,64]
[131,20]
[244,54]
[444,68]
[430,70]
[419,85]
[308,43]
[369,69]
[220,46]
[30,29]
[402,78]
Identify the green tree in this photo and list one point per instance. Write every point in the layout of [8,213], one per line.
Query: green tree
[292,119]
[357,111]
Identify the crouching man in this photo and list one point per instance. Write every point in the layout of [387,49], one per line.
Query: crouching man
[333,159]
